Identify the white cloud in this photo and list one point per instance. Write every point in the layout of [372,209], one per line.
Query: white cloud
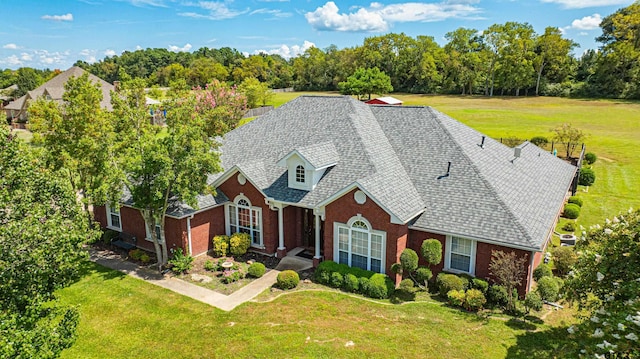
[587,22]
[276,14]
[143,3]
[185,48]
[66,17]
[378,17]
[12,60]
[216,10]
[45,57]
[26,57]
[109,52]
[89,55]
[581,4]
[286,51]
[10,46]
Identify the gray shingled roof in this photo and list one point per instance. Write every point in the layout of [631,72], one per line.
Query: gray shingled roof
[398,155]
[319,155]
[180,209]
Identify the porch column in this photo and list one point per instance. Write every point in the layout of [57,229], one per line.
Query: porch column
[317,258]
[282,251]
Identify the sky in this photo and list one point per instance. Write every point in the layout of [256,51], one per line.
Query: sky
[55,34]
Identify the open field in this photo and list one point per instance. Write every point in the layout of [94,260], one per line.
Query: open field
[613,127]
[122,317]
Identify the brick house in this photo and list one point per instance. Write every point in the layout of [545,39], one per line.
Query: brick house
[358,184]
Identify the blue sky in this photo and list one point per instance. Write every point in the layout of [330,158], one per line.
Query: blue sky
[55,33]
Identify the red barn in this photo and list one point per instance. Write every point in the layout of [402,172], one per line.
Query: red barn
[385,101]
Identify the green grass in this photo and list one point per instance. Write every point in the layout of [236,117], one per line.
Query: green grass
[122,317]
[613,128]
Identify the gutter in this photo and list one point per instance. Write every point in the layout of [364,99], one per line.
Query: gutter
[189,234]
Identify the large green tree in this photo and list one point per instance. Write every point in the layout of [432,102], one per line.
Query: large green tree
[366,82]
[553,55]
[464,61]
[42,229]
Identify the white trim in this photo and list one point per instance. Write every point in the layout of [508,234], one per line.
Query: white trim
[472,259]
[253,211]
[477,239]
[530,276]
[110,225]
[147,235]
[370,231]
[189,234]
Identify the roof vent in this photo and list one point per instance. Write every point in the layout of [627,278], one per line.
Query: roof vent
[448,171]
[482,143]
[517,151]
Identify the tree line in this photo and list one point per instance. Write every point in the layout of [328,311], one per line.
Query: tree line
[504,59]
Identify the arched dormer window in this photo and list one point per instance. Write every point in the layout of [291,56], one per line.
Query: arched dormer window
[243,218]
[300,174]
[356,244]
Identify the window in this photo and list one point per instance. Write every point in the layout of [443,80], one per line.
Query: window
[300,174]
[460,255]
[113,217]
[357,245]
[242,217]
[158,230]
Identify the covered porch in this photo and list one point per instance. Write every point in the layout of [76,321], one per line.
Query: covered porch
[301,229]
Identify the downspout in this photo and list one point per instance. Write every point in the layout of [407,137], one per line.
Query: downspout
[189,234]
[530,274]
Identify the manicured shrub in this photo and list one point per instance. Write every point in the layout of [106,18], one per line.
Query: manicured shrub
[587,177]
[474,300]
[539,140]
[431,250]
[409,260]
[220,246]
[287,279]
[456,297]
[350,283]
[396,268]
[480,284]
[569,227]
[571,211]
[590,158]
[363,285]
[144,258]
[564,258]
[497,295]
[533,301]
[466,280]
[379,286]
[542,270]
[548,289]
[576,200]
[181,263]
[447,282]
[136,254]
[209,265]
[256,269]
[336,280]
[239,243]
[406,285]
[423,275]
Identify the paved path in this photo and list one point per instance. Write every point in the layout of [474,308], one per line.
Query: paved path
[224,302]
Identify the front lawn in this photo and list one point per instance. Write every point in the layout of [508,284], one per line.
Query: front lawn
[122,317]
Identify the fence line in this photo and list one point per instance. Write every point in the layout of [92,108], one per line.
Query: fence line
[286,89]
[259,111]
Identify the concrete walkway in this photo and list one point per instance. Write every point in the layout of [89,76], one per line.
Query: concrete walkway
[224,302]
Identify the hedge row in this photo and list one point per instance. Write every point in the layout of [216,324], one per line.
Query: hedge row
[355,280]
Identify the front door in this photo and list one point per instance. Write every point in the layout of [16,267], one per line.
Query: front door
[309,231]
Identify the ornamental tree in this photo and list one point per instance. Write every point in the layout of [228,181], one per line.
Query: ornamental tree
[42,230]
[508,270]
[605,282]
[569,136]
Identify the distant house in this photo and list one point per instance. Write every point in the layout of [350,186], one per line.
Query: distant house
[385,101]
[358,184]
[53,90]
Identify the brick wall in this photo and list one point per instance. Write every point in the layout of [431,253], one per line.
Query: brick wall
[345,207]
[204,226]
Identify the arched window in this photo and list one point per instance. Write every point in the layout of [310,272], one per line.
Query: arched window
[300,174]
[358,245]
[242,217]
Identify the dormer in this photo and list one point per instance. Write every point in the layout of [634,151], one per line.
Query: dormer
[306,165]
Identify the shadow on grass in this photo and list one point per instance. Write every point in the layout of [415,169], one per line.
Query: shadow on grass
[551,343]
[401,296]
[88,268]
[517,323]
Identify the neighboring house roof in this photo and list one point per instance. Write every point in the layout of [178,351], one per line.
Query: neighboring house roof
[5,93]
[54,88]
[385,100]
[399,156]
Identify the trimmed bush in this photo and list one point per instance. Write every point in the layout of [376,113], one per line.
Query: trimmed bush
[587,177]
[542,270]
[480,284]
[136,254]
[456,297]
[466,279]
[350,283]
[474,300]
[396,268]
[220,245]
[363,285]
[533,301]
[447,282]
[409,260]
[571,211]
[379,286]
[539,140]
[548,289]
[144,258]
[576,200]
[406,285]
[590,158]
[564,258]
[210,266]
[497,295]
[423,275]
[287,279]
[431,250]
[239,243]
[569,227]
[256,269]
[336,280]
